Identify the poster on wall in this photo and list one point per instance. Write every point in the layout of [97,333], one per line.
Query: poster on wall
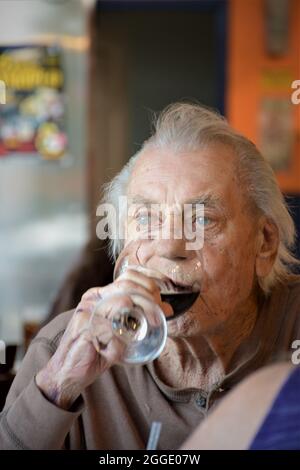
[277,136]
[32,120]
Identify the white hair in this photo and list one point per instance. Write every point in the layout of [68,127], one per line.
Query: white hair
[183,127]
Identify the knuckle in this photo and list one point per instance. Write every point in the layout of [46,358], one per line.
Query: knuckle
[92,293]
[125,284]
[87,294]
[153,287]
[126,274]
[84,306]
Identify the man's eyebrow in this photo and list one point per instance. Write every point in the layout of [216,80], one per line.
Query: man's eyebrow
[208,200]
[141,200]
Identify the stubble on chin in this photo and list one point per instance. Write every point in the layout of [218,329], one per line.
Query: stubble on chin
[186,325]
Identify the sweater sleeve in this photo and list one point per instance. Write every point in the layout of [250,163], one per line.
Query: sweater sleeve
[29,420]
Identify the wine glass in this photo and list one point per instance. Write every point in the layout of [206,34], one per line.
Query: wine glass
[139,323]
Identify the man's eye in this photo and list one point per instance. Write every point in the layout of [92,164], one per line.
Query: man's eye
[203,220]
[148,219]
[143,219]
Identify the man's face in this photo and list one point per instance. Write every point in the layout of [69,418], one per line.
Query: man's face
[225,266]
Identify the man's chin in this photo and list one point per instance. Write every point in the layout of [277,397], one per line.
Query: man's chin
[185,324]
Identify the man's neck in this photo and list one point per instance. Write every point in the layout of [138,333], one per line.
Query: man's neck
[202,361]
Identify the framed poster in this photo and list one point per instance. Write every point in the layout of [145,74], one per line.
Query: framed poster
[32,120]
[278,125]
[277,135]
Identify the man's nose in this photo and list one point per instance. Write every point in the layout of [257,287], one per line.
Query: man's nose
[172,248]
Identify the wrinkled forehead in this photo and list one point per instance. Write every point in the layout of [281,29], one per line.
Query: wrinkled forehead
[164,176]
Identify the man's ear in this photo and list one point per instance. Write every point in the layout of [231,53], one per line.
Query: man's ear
[267,247]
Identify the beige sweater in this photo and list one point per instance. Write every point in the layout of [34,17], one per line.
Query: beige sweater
[117,410]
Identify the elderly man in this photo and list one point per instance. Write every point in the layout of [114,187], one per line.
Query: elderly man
[69,393]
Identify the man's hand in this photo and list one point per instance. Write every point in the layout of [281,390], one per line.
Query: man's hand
[81,356]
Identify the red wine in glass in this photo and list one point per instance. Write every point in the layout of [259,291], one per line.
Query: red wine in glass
[180,302]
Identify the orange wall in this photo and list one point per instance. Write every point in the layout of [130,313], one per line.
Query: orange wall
[248,62]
